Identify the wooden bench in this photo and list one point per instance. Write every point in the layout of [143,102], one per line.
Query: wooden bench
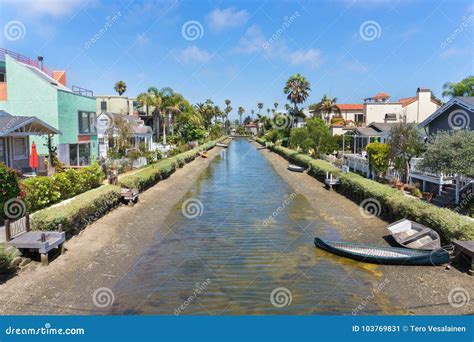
[18,234]
[464,252]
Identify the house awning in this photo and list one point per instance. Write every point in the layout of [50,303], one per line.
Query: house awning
[21,126]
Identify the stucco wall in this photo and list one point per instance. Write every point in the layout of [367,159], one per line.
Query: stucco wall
[69,104]
[115,104]
[375,112]
[28,95]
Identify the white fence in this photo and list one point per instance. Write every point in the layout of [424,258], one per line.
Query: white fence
[357,163]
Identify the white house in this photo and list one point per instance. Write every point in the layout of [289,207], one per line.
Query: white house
[141,134]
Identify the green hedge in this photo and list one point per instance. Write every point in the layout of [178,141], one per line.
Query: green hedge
[41,192]
[446,222]
[79,212]
[152,174]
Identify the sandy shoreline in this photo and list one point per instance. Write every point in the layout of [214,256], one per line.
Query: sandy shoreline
[106,250]
[101,254]
[420,290]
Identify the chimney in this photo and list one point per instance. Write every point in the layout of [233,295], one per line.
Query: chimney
[40,62]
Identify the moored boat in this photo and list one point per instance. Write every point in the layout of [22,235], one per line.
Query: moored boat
[222,145]
[382,254]
[295,168]
[261,147]
[204,155]
[414,235]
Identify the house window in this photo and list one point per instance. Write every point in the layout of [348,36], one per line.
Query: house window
[87,122]
[19,148]
[359,118]
[103,106]
[3,156]
[79,154]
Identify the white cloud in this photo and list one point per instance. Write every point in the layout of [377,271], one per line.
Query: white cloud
[54,8]
[193,54]
[227,18]
[311,57]
[255,41]
[356,66]
[252,41]
[453,52]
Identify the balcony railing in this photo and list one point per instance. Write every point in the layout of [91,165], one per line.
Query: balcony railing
[82,91]
[25,60]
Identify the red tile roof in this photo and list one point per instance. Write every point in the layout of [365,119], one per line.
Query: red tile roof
[408,100]
[350,106]
[380,96]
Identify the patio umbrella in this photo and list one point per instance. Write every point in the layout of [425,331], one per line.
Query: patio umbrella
[33,157]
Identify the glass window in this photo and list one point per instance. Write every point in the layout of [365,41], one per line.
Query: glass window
[87,122]
[84,154]
[103,106]
[80,154]
[19,148]
[73,154]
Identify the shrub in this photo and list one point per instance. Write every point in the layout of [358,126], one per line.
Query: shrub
[5,260]
[448,223]
[41,192]
[152,174]
[80,211]
[9,187]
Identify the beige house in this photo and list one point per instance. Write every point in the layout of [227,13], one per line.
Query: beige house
[115,104]
[379,108]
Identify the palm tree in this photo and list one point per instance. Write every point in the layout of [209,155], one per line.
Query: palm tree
[275,105]
[227,110]
[120,87]
[241,112]
[268,111]
[171,106]
[150,98]
[297,90]
[259,106]
[325,107]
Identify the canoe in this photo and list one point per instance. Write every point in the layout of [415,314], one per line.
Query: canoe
[383,254]
[261,147]
[295,168]
[204,155]
[410,234]
[222,145]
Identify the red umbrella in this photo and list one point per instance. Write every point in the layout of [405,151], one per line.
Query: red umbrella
[33,157]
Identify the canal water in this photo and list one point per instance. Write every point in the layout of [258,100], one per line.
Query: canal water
[241,242]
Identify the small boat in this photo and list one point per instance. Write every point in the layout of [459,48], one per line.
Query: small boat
[410,234]
[383,254]
[204,155]
[222,145]
[295,168]
[261,147]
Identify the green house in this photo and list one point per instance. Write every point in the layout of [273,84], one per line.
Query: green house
[29,89]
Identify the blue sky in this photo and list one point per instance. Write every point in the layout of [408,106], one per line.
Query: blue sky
[245,50]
